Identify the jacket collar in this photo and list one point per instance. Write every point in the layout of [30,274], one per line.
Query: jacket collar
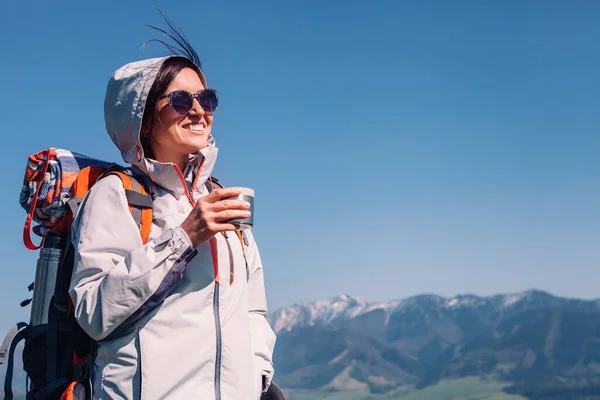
[181,183]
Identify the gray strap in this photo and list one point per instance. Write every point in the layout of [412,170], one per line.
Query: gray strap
[74,203]
[136,198]
[136,210]
[8,340]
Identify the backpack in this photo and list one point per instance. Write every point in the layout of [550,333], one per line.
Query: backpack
[58,355]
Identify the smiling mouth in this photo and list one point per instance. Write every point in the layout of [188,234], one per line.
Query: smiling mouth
[196,128]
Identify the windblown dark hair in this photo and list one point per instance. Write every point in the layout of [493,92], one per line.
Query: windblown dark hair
[186,57]
[184,47]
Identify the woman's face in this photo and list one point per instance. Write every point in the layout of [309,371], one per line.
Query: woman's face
[174,136]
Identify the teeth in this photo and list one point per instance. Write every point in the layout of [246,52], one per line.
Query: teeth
[195,127]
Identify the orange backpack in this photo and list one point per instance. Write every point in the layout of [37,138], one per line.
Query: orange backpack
[57,352]
[57,180]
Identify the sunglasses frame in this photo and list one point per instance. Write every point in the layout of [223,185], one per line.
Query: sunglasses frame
[192,96]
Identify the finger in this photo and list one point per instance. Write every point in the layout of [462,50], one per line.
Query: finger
[226,215]
[225,227]
[219,194]
[230,205]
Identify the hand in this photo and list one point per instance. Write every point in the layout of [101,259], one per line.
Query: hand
[211,213]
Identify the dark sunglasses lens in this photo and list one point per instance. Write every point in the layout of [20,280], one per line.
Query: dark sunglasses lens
[181,102]
[208,100]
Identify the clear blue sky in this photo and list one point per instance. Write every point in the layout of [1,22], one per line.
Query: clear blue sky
[396,147]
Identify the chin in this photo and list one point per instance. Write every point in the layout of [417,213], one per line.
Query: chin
[196,147]
[197,141]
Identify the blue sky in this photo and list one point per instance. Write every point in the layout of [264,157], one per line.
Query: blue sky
[395,147]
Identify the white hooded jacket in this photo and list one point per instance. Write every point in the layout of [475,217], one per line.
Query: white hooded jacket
[172,321]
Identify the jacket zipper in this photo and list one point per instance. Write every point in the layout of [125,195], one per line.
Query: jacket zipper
[219,342]
[213,246]
[216,313]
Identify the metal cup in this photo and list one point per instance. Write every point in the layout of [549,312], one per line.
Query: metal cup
[246,195]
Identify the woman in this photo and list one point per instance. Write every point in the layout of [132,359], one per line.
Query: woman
[184,315]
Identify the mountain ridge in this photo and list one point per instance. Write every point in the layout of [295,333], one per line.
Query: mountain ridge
[533,339]
[332,308]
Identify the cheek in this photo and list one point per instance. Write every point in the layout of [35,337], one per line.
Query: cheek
[168,119]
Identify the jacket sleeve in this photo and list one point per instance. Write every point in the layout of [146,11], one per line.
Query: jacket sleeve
[262,336]
[116,278]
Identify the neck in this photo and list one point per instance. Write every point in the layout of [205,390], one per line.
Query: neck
[181,164]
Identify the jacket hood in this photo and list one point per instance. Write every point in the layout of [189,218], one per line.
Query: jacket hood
[124,105]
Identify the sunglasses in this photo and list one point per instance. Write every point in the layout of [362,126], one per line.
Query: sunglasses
[182,101]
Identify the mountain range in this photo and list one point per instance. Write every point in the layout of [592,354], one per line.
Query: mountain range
[544,346]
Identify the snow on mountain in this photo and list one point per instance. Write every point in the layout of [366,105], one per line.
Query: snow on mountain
[511,299]
[343,308]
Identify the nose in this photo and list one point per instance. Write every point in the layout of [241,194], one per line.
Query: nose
[196,109]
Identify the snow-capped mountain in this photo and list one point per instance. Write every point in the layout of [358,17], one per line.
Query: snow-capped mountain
[533,339]
[340,309]
[330,311]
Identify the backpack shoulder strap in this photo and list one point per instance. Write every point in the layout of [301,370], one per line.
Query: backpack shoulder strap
[9,345]
[139,199]
[211,183]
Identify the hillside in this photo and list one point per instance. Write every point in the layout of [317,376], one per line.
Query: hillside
[541,345]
